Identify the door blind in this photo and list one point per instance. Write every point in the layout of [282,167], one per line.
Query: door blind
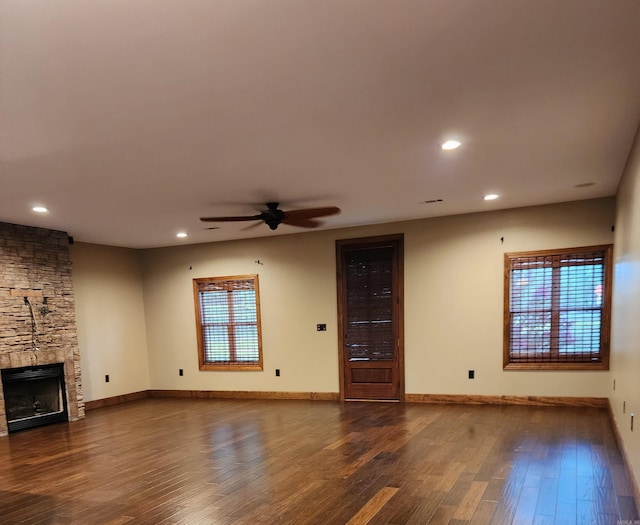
[369,331]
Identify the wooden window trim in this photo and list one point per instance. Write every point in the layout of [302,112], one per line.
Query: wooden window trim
[227,366]
[603,364]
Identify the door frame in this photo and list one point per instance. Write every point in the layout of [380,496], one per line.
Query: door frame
[381,240]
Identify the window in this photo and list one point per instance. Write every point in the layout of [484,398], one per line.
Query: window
[557,309]
[228,323]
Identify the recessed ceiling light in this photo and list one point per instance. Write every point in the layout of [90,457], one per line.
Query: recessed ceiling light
[491,197]
[181,235]
[451,144]
[40,209]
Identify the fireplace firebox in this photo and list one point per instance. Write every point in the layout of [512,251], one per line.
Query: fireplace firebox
[34,396]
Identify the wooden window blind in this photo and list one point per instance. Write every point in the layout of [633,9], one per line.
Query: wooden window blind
[557,308]
[369,331]
[228,323]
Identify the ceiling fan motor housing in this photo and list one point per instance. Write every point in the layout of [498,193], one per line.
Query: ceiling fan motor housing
[273,217]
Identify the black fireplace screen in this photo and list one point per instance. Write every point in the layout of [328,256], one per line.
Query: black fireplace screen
[34,396]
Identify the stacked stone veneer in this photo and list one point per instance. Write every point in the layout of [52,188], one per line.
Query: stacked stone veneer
[41,329]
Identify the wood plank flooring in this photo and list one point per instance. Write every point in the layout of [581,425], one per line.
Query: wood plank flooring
[196,461]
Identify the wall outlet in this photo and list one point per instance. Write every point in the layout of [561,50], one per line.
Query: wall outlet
[277,372]
[181,372]
[106,378]
[321,327]
[472,374]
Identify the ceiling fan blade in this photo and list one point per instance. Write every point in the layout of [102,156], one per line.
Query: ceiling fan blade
[312,213]
[232,219]
[301,222]
[250,227]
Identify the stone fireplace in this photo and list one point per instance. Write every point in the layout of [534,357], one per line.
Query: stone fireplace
[37,319]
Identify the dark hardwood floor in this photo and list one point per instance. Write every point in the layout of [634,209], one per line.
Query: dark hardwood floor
[246,462]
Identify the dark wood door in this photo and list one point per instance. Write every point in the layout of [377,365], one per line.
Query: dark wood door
[370,311]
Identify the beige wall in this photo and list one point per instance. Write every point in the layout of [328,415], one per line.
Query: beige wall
[625,337]
[454,297]
[110,316]
[453,306]
[453,303]
[297,290]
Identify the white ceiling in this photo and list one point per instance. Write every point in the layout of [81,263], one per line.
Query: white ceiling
[130,119]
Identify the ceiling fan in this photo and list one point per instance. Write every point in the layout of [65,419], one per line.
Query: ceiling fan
[273,216]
